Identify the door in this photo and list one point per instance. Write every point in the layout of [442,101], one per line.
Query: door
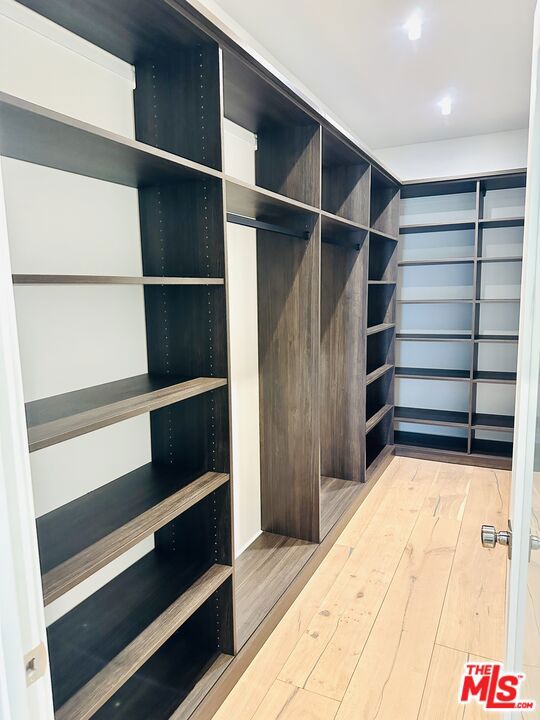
[523,617]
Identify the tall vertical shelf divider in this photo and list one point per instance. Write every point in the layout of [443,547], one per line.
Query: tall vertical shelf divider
[171,634]
[460,274]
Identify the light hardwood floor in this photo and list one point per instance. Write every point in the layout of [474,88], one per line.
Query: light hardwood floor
[404,598]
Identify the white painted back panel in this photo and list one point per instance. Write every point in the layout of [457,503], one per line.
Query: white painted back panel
[243,349]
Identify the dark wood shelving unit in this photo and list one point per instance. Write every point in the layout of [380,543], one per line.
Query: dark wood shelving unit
[381,317]
[478,239]
[168,636]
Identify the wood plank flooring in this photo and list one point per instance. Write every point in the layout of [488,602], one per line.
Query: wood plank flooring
[403,600]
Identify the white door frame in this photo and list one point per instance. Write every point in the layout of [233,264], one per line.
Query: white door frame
[527,385]
[22,621]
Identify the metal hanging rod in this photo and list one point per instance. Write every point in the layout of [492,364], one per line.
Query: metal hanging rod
[259,225]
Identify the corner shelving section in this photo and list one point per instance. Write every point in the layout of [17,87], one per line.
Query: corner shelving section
[460,273]
[381,318]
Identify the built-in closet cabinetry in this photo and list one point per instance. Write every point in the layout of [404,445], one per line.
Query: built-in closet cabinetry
[460,257]
[149,612]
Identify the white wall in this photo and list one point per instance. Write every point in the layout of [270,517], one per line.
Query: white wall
[475,155]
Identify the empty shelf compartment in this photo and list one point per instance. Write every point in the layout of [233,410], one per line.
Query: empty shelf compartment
[176,678]
[79,538]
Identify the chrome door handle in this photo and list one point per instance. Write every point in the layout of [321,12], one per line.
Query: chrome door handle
[490,537]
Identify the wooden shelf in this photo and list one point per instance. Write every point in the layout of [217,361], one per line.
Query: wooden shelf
[149,30]
[448,443]
[263,572]
[255,202]
[188,670]
[332,222]
[502,222]
[379,372]
[501,259]
[496,338]
[339,231]
[379,328]
[436,261]
[38,135]
[494,377]
[458,261]
[431,374]
[79,538]
[383,235]
[451,418]
[100,644]
[111,280]
[497,300]
[489,421]
[436,227]
[435,337]
[336,496]
[377,417]
[61,417]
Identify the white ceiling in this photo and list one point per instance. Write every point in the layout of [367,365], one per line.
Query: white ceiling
[356,58]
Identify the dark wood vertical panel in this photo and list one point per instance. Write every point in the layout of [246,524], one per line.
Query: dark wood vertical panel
[227,598]
[343,297]
[288,316]
[288,161]
[177,103]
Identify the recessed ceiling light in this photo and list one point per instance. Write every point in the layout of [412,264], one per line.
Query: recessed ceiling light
[413,26]
[446,105]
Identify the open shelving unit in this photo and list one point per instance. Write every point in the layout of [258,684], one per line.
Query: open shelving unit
[167,634]
[381,317]
[460,274]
